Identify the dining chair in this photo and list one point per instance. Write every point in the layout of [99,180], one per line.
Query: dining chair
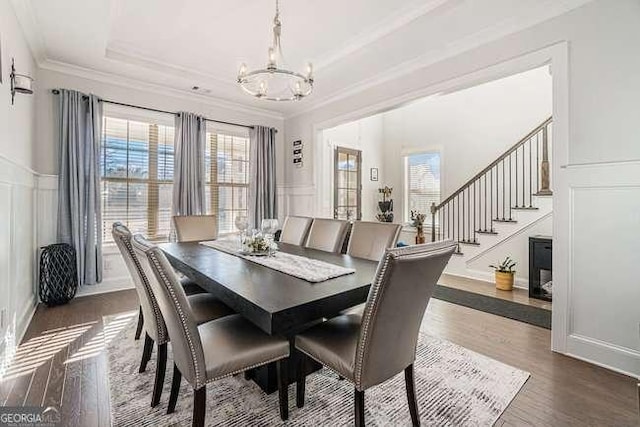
[212,350]
[195,228]
[295,230]
[327,234]
[371,347]
[369,240]
[204,306]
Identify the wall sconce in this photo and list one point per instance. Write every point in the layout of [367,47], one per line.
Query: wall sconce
[20,83]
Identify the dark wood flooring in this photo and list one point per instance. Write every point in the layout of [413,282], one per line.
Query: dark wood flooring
[561,391]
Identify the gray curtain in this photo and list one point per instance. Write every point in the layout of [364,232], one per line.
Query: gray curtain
[79,215]
[189,173]
[262,177]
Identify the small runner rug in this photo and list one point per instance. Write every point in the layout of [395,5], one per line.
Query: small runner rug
[309,269]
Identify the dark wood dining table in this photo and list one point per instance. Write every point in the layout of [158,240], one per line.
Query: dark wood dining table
[276,302]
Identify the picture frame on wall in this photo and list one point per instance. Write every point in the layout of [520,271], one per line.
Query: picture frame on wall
[373,174]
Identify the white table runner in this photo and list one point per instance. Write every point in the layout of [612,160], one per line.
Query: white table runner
[311,270]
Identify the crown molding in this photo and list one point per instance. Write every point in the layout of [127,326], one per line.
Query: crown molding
[122,52]
[118,80]
[378,31]
[545,11]
[30,28]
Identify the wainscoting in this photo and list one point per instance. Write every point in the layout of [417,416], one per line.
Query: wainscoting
[115,274]
[18,254]
[600,227]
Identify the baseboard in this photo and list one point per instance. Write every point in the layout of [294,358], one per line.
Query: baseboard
[483,276]
[107,286]
[24,321]
[606,355]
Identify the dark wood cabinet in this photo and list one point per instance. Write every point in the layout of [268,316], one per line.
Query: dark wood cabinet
[540,267]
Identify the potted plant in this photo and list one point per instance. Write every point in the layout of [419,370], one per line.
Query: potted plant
[417,220]
[505,274]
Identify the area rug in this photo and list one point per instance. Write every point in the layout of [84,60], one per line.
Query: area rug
[454,387]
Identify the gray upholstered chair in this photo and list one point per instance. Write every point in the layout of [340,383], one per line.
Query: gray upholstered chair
[295,230]
[212,350]
[371,347]
[369,240]
[327,234]
[195,228]
[206,307]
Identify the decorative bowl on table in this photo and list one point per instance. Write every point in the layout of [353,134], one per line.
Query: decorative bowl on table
[258,245]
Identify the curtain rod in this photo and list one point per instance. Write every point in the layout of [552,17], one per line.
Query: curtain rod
[56,92]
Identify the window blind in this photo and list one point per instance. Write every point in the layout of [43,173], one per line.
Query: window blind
[137,159]
[137,176]
[423,182]
[227,166]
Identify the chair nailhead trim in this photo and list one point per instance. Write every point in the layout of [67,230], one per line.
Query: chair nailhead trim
[167,283]
[125,239]
[377,290]
[247,368]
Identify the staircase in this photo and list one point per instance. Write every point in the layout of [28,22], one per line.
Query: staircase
[502,199]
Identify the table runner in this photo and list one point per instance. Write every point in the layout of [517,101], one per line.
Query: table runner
[311,270]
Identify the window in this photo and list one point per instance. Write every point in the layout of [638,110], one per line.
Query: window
[137,176]
[347,191]
[423,182]
[227,166]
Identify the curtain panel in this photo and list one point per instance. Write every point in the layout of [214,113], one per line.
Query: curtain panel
[79,214]
[262,178]
[189,165]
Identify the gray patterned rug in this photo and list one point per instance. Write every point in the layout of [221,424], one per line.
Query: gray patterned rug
[454,386]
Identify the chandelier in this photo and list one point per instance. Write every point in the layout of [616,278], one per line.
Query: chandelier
[275,82]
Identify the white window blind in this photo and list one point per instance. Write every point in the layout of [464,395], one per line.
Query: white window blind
[137,158]
[227,166]
[423,182]
[137,176]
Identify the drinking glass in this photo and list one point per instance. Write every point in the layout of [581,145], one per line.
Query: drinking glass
[242,224]
[269,227]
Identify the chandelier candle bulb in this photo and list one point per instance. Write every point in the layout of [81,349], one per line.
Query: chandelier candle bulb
[284,84]
[272,59]
[310,71]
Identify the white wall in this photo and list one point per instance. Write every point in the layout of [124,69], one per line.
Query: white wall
[367,136]
[115,274]
[599,76]
[470,128]
[17,189]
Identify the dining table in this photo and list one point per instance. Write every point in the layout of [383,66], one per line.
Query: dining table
[276,302]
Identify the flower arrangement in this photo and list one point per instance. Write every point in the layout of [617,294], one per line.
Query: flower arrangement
[259,244]
[417,219]
[386,192]
[386,205]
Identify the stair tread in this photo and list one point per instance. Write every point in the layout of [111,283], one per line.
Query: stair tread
[524,208]
[469,242]
[486,232]
[458,253]
[504,220]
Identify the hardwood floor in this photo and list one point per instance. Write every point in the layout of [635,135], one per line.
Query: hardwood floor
[60,363]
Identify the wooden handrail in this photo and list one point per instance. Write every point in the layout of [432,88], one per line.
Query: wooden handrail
[494,163]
